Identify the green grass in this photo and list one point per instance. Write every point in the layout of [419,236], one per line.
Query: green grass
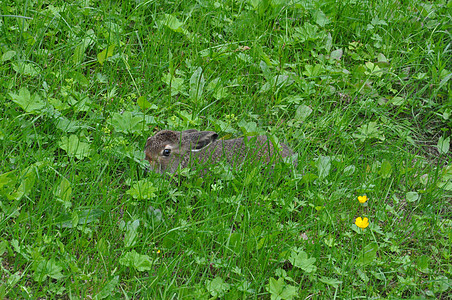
[361,90]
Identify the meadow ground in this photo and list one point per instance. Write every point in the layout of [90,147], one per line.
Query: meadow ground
[361,90]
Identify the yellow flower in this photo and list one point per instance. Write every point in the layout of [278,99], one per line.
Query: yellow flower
[362,223]
[362,199]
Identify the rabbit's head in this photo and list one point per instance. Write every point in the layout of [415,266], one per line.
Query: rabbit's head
[166,149]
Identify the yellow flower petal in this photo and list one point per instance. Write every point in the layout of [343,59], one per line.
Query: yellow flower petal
[362,199]
[362,223]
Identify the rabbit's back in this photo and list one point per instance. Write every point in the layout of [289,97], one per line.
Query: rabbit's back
[236,152]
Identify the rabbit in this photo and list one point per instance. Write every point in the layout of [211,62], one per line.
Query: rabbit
[168,150]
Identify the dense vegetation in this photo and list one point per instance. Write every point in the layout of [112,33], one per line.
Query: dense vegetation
[361,90]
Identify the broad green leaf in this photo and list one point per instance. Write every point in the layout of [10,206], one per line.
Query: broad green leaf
[446,172]
[336,54]
[370,65]
[301,260]
[63,192]
[376,21]
[362,275]
[441,284]
[217,287]
[18,248]
[108,289]
[381,58]
[3,247]
[74,220]
[293,99]
[276,82]
[264,56]
[127,122]
[320,18]
[265,70]
[112,31]
[446,77]
[323,165]
[313,71]
[369,131]
[8,179]
[137,261]
[424,179]
[373,69]
[106,53]
[251,176]
[219,91]
[349,170]
[443,145]
[397,101]
[386,169]
[446,185]
[329,241]
[27,180]
[422,263]
[174,24]
[309,177]
[103,246]
[131,233]
[78,77]
[331,281]
[328,42]
[142,189]
[303,111]
[189,119]
[47,268]
[79,101]
[197,83]
[27,69]
[67,125]
[144,104]
[446,178]
[74,147]
[13,279]
[367,255]
[280,290]
[308,32]
[412,196]
[29,103]
[176,84]
[79,51]
[58,104]
[379,275]
[155,214]
[8,55]
[249,128]
[80,218]
[254,3]
[89,215]
[420,76]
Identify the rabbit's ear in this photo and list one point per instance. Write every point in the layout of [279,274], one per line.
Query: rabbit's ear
[188,131]
[199,140]
[148,141]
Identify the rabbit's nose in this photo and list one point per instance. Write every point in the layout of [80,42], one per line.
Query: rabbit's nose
[152,164]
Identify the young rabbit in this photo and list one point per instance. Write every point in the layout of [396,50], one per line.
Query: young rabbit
[168,150]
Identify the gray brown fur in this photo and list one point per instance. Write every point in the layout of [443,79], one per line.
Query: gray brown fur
[191,147]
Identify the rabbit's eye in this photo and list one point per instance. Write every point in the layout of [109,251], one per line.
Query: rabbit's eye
[166,152]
